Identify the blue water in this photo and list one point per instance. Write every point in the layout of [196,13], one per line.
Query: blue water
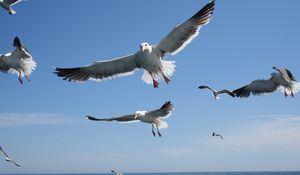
[201,173]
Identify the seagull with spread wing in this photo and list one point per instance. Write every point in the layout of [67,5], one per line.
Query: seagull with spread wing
[6,4]
[19,61]
[149,57]
[217,135]
[217,93]
[7,158]
[282,78]
[153,117]
[116,173]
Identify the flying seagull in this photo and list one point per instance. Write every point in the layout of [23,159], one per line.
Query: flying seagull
[153,117]
[7,158]
[149,57]
[19,61]
[116,173]
[6,4]
[217,93]
[217,135]
[282,78]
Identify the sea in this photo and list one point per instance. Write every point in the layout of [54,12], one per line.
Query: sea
[200,173]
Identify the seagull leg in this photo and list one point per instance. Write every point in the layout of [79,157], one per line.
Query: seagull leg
[20,77]
[155,83]
[285,93]
[167,80]
[158,132]
[27,77]
[153,130]
[292,94]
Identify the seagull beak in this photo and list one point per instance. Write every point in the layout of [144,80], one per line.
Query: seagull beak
[142,48]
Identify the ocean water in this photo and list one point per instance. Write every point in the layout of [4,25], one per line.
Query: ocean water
[200,173]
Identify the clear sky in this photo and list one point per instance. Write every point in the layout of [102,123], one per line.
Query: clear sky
[42,124]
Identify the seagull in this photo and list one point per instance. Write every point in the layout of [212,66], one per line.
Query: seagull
[153,117]
[217,135]
[7,158]
[282,78]
[116,173]
[217,93]
[19,61]
[149,57]
[6,4]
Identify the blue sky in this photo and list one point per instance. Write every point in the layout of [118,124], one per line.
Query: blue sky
[42,124]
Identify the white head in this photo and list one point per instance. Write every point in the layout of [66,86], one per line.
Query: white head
[145,46]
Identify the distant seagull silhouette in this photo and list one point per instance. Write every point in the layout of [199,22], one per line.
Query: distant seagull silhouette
[116,173]
[217,93]
[149,57]
[282,78]
[6,4]
[19,61]
[153,117]
[7,158]
[217,135]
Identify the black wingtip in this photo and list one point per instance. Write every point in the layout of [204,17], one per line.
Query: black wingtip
[167,104]
[206,10]
[241,92]
[17,42]
[201,87]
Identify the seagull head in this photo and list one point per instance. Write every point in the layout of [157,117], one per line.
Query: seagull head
[145,46]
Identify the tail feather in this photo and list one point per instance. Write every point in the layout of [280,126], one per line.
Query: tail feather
[168,69]
[162,124]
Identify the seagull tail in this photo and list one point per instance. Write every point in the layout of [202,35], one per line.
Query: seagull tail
[168,68]
[27,65]
[162,124]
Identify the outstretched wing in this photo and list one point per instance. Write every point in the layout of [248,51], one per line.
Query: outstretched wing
[206,87]
[184,33]
[15,163]
[225,91]
[256,87]
[5,154]
[125,118]
[100,70]
[163,112]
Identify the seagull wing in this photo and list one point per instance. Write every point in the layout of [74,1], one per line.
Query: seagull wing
[163,112]
[184,33]
[206,87]
[224,91]
[287,74]
[221,137]
[3,64]
[257,87]
[11,2]
[6,155]
[100,70]
[125,118]
[15,163]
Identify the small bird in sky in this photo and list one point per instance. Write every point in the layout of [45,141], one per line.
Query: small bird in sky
[6,4]
[152,117]
[149,57]
[19,61]
[217,93]
[7,158]
[116,173]
[282,78]
[217,135]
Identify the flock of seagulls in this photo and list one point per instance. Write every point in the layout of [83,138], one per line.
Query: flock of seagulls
[151,59]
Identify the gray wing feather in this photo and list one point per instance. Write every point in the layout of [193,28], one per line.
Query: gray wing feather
[257,87]
[100,70]
[162,112]
[125,118]
[184,33]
